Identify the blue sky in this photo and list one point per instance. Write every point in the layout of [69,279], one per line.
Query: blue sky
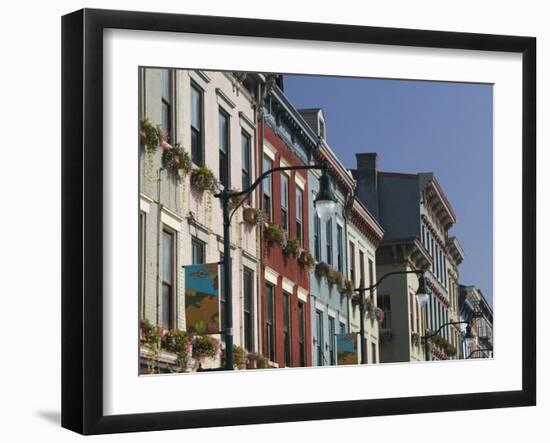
[419,126]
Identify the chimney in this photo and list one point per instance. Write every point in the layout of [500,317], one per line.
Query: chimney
[366,175]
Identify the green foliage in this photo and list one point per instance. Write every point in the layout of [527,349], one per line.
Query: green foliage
[274,234]
[176,160]
[202,179]
[348,287]
[306,259]
[150,136]
[442,344]
[334,277]
[292,247]
[205,346]
[239,355]
[322,269]
[178,342]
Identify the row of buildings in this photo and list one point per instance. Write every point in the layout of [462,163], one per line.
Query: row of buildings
[293,274]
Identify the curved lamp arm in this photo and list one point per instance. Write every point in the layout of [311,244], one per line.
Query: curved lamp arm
[226,194]
[479,350]
[368,288]
[425,337]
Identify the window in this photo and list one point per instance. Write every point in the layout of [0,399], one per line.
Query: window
[284,202]
[270,322]
[245,160]
[302,333]
[223,146]
[317,237]
[167,303]
[362,281]
[320,338]
[332,338]
[196,125]
[267,165]
[197,250]
[329,241]
[342,328]
[299,214]
[340,248]
[373,347]
[248,304]
[384,303]
[352,263]
[322,129]
[166,103]
[141,246]
[371,273]
[286,327]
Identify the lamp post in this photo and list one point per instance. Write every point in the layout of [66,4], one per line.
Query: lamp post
[468,338]
[325,203]
[421,295]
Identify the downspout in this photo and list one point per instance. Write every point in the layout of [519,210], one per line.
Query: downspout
[259,118]
[347,207]
[160,207]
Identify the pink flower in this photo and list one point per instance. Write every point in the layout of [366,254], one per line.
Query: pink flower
[164,142]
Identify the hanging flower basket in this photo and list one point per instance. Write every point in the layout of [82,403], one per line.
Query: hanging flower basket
[347,288]
[150,135]
[202,179]
[306,259]
[176,160]
[274,234]
[292,248]
[253,216]
[335,278]
[205,346]
[178,342]
[322,269]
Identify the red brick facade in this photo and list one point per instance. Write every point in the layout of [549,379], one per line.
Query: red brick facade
[287,268]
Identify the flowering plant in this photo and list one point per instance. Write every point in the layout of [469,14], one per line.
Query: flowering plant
[178,342]
[150,135]
[205,346]
[322,269]
[379,313]
[175,159]
[202,179]
[305,258]
[292,247]
[335,277]
[274,234]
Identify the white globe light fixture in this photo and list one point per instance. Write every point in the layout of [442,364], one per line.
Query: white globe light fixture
[325,201]
[422,292]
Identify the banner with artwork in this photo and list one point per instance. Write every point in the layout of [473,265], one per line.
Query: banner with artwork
[347,350]
[202,298]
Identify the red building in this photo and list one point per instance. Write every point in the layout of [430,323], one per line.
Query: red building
[285,320]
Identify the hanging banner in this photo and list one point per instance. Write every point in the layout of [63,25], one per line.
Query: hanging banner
[346,347]
[202,299]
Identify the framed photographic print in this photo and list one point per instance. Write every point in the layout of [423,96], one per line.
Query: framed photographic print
[270,221]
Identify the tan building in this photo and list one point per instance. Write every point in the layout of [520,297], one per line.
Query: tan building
[211,116]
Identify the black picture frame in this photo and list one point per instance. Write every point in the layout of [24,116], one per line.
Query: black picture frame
[82,215]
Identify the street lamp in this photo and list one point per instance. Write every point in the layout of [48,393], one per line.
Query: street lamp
[421,295]
[325,203]
[468,338]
